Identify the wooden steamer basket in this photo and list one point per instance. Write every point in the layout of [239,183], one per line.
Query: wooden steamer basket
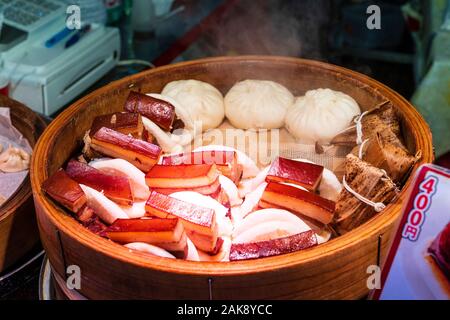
[18,228]
[336,269]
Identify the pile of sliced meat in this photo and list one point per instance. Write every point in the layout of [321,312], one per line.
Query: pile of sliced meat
[211,204]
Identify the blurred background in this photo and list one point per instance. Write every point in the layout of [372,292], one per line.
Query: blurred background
[47,65]
[410,53]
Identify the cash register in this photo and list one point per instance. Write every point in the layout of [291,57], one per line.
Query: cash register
[47,77]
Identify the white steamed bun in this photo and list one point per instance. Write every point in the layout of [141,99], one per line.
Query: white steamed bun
[257,104]
[320,115]
[201,100]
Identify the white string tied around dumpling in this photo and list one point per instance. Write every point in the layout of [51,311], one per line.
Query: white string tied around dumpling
[378,206]
[361,147]
[385,175]
[358,122]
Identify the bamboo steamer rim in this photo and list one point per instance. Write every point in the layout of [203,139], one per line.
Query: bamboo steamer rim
[19,197]
[24,191]
[74,230]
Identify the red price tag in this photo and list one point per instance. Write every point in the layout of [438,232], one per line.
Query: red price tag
[418,266]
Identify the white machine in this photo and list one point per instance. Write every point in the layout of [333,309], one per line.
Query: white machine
[43,77]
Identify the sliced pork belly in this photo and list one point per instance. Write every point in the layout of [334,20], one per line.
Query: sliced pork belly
[106,209]
[199,199]
[225,227]
[212,190]
[261,249]
[173,140]
[159,111]
[299,201]
[225,161]
[199,221]
[95,225]
[168,234]
[85,213]
[222,256]
[150,249]
[329,187]
[179,249]
[124,122]
[208,243]
[182,176]
[117,188]
[295,186]
[193,216]
[66,191]
[184,127]
[304,174]
[142,154]
[124,168]
[248,165]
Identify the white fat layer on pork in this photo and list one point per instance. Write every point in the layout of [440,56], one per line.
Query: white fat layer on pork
[137,210]
[231,190]
[250,169]
[223,222]
[148,248]
[107,210]
[295,186]
[124,168]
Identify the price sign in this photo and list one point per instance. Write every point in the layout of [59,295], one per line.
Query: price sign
[418,263]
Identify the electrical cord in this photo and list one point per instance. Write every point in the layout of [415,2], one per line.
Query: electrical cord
[135,61]
[13,84]
[6,276]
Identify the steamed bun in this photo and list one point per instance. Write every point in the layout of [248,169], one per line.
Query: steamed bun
[320,115]
[200,99]
[14,160]
[257,104]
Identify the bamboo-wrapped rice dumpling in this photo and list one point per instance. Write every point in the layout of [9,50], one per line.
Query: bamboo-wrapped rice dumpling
[369,182]
[380,119]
